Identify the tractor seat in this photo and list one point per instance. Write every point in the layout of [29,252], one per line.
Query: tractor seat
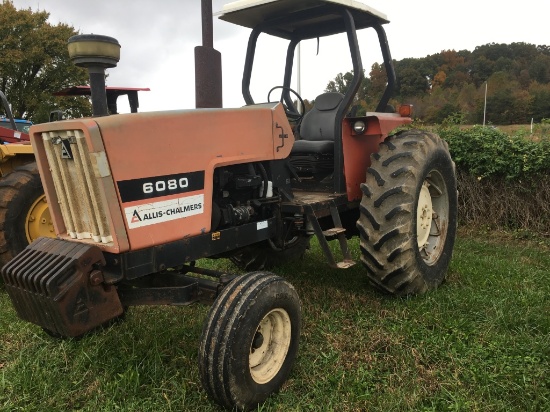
[313,154]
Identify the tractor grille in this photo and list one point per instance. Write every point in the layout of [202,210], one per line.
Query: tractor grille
[77,188]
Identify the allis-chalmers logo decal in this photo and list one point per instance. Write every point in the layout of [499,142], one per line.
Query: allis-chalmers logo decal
[164,211]
[66,151]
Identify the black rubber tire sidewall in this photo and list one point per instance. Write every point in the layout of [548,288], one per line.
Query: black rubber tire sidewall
[250,392]
[228,332]
[388,213]
[434,274]
[18,191]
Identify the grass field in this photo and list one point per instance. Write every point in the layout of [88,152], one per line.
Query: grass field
[481,342]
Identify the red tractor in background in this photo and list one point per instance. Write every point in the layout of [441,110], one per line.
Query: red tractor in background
[12,130]
[251,184]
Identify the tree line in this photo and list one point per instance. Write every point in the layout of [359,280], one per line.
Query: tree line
[34,63]
[515,78]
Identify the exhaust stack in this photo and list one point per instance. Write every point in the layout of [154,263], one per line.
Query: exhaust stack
[208,65]
[96,53]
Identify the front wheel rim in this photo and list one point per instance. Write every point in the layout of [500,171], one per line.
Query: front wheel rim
[270,345]
[38,222]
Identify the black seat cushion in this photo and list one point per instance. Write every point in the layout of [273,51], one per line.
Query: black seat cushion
[317,147]
[319,122]
[313,155]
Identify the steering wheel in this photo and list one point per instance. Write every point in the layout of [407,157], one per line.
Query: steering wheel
[290,110]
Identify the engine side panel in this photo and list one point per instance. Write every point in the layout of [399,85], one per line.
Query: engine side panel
[161,165]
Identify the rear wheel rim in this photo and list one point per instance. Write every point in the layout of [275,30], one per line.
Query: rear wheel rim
[432,217]
[270,345]
[424,215]
[38,222]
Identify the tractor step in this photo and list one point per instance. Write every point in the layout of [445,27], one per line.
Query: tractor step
[344,264]
[336,232]
[333,233]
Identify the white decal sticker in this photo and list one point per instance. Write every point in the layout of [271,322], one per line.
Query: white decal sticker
[165,211]
[261,225]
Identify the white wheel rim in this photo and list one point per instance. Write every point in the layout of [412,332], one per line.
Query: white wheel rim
[270,345]
[424,215]
[432,217]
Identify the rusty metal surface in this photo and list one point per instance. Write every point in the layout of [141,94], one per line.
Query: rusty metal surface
[208,64]
[310,198]
[208,78]
[319,202]
[58,285]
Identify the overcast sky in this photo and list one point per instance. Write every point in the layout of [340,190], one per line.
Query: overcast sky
[158,40]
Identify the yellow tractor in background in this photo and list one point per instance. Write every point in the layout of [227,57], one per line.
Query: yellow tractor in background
[24,213]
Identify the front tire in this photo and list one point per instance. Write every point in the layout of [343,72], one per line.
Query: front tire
[409,213]
[250,340]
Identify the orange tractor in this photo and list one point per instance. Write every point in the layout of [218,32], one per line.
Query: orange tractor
[251,184]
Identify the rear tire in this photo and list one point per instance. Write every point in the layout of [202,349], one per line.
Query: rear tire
[24,213]
[250,340]
[265,255]
[409,213]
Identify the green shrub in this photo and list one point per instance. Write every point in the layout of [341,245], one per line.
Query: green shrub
[487,152]
[502,179]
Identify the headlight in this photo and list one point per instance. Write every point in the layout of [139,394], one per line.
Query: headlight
[359,127]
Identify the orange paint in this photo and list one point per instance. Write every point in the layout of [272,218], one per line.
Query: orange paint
[146,145]
[358,148]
